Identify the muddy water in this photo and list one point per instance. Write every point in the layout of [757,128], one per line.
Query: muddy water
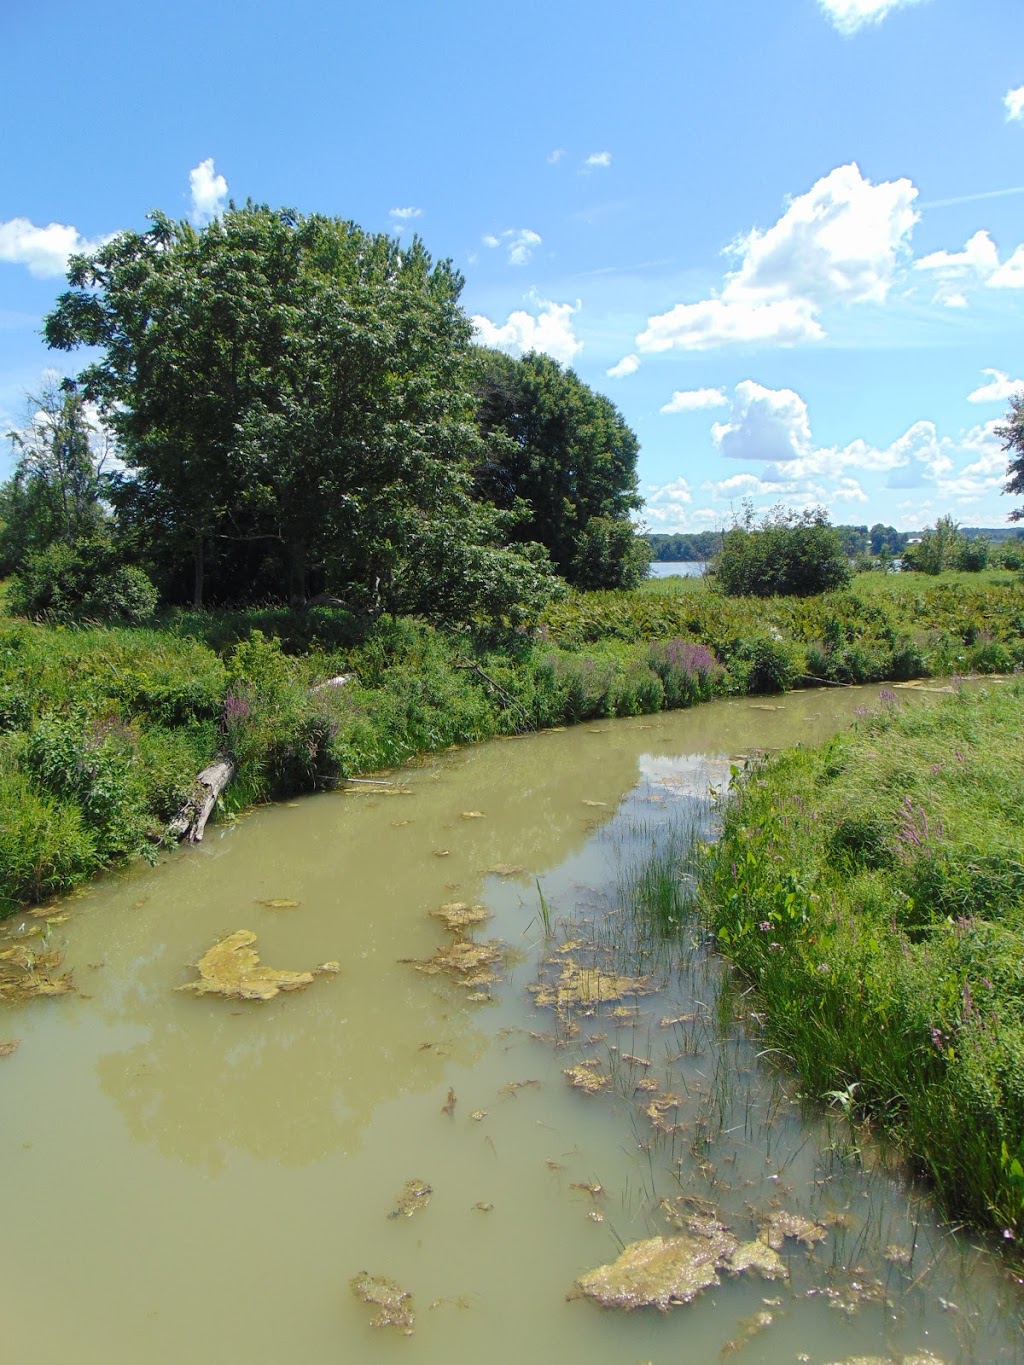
[199,1179]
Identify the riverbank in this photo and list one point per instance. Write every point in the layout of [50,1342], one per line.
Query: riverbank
[872,890]
[102,731]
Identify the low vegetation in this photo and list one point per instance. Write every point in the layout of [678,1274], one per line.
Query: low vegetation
[103,729]
[873,892]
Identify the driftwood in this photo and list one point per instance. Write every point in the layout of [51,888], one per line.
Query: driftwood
[191,820]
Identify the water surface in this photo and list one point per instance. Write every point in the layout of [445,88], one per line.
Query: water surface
[199,1179]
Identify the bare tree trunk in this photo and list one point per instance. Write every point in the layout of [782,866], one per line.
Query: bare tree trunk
[191,820]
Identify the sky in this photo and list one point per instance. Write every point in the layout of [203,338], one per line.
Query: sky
[784,237]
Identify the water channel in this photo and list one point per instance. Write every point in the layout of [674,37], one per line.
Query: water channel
[200,1178]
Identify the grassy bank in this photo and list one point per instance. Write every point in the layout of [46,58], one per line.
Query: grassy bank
[103,730]
[873,892]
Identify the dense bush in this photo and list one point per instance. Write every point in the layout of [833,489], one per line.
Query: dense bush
[84,582]
[789,554]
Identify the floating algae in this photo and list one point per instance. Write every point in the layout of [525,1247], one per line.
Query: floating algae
[585,987]
[781,1225]
[280,903]
[657,1273]
[233,968]
[394,1304]
[7,1048]
[759,1257]
[506,869]
[587,1077]
[415,1195]
[458,915]
[749,1328]
[25,973]
[468,964]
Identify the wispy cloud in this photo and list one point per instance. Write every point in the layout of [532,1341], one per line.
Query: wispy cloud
[519,242]
[597,160]
[999,389]
[693,400]
[1014,102]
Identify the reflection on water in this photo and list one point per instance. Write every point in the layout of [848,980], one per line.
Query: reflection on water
[201,1178]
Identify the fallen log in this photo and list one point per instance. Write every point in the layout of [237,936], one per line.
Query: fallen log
[191,820]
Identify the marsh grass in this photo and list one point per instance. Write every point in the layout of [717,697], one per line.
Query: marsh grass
[873,893]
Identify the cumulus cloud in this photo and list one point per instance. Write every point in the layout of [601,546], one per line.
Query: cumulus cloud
[597,159]
[999,389]
[840,243]
[520,243]
[550,330]
[209,192]
[979,260]
[405,214]
[850,15]
[555,156]
[44,250]
[629,364]
[1014,102]
[1010,274]
[692,400]
[765,424]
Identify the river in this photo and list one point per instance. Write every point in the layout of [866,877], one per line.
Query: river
[199,1179]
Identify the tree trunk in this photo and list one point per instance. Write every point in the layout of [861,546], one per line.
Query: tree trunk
[198,553]
[297,573]
[191,820]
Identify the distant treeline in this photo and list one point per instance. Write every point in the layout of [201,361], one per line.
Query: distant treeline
[856,540]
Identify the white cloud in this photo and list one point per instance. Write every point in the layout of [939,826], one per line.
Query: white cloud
[840,243]
[1014,102]
[596,159]
[555,156]
[209,192]
[629,364]
[692,400]
[765,424]
[44,250]
[850,15]
[1010,274]
[999,389]
[405,214]
[668,503]
[549,330]
[979,260]
[519,241]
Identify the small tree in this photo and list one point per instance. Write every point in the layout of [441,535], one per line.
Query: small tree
[790,554]
[940,547]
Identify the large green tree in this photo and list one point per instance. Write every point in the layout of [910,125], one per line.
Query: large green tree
[289,383]
[562,456]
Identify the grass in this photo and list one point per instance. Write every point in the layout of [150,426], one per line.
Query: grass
[873,893]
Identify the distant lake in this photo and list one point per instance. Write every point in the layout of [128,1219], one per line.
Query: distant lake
[668,568]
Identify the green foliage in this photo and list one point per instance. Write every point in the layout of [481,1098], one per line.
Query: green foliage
[1011,433]
[873,891]
[54,495]
[292,396]
[788,554]
[940,547]
[561,457]
[82,582]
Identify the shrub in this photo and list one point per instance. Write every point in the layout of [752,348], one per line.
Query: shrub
[83,582]
[689,672]
[789,554]
[765,665]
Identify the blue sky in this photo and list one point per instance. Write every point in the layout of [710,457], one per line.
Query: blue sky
[785,237]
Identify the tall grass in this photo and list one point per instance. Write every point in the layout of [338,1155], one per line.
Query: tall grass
[873,893]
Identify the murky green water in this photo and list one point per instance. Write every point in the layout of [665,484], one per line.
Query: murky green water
[199,1179]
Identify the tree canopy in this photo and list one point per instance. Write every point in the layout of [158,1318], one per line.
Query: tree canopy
[289,394]
[562,458]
